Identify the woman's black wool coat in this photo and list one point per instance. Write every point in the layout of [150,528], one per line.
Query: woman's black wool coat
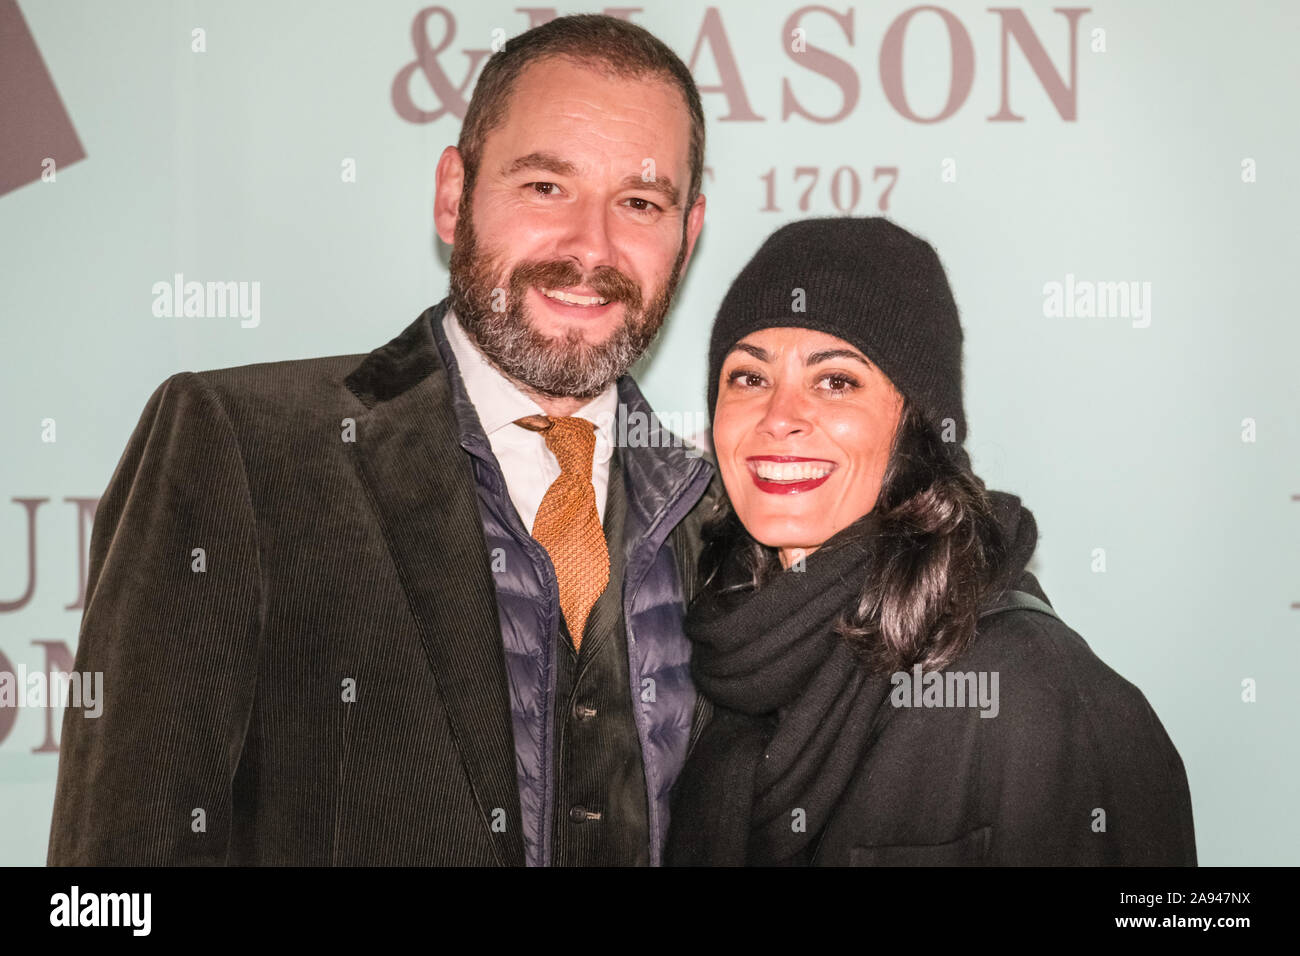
[1075,769]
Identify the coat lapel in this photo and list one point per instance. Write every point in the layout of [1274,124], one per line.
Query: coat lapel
[421,486]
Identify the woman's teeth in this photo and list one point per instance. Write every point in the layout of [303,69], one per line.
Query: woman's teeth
[791,470]
[571,299]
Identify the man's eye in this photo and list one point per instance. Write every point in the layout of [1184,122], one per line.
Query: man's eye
[544,189]
[643,205]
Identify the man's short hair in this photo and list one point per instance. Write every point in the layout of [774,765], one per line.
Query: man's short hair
[604,43]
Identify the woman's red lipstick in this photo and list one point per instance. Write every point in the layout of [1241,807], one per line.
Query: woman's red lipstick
[788,487]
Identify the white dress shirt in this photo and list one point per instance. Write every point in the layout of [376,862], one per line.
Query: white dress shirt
[528,465]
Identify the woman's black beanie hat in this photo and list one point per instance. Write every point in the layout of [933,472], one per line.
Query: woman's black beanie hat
[866,281]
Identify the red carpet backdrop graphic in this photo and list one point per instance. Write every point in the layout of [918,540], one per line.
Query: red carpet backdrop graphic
[1108,185]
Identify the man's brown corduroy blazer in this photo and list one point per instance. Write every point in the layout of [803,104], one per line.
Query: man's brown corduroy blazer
[359,714]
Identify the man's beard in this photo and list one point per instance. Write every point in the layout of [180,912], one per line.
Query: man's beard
[558,367]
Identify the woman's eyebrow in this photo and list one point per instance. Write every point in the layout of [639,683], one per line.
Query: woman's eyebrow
[754,350]
[827,354]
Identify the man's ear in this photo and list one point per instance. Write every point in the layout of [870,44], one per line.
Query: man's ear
[694,222]
[447,193]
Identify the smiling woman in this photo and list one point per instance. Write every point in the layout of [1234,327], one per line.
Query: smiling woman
[862,568]
[773,382]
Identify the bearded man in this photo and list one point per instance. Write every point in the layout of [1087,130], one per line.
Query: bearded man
[418,607]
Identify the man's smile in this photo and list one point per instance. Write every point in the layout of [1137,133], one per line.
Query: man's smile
[573,298]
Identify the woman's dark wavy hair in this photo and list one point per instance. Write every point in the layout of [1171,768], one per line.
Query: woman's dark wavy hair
[937,553]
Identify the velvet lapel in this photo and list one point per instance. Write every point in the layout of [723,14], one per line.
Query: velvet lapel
[421,486]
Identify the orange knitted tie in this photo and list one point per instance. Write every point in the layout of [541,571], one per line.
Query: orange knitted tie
[568,524]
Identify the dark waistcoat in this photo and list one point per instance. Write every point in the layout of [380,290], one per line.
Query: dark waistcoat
[663,489]
[600,808]
[593,761]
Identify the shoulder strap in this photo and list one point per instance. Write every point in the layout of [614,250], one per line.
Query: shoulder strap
[1006,601]
[1018,601]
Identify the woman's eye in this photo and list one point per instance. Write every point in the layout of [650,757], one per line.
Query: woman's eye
[744,378]
[838,382]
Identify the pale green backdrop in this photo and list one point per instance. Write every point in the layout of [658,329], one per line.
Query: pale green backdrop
[226,165]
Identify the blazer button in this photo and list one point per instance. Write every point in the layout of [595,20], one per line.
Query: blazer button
[581,814]
[583,712]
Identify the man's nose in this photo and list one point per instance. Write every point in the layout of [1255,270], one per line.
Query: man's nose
[587,236]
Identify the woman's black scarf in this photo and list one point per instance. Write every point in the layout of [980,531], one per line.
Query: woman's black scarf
[795,712]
